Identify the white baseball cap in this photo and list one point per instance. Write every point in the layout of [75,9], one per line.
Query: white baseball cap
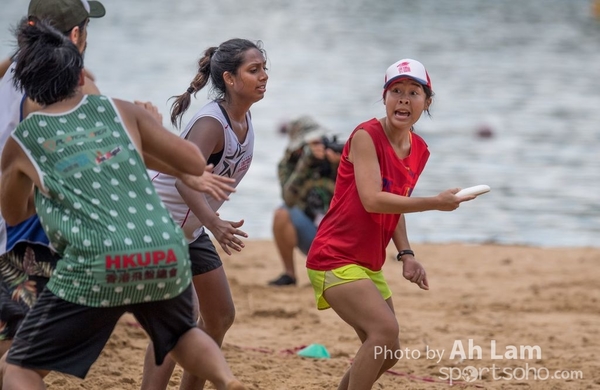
[406,68]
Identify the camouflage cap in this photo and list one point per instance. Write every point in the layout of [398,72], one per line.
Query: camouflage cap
[303,130]
[65,14]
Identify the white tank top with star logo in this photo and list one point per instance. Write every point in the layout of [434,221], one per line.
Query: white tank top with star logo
[234,162]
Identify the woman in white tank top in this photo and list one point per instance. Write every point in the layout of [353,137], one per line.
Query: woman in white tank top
[222,129]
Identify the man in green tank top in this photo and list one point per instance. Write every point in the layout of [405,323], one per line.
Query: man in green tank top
[120,231]
[81,157]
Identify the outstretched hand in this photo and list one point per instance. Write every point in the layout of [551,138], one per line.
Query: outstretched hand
[413,270]
[218,187]
[228,235]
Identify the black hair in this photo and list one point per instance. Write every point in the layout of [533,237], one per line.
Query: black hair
[428,95]
[228,57]
[48,65]
[82,26]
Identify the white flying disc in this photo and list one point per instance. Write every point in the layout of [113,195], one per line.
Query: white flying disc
[475,190]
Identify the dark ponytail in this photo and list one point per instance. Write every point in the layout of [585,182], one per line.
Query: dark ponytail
[182,102]
[48,65]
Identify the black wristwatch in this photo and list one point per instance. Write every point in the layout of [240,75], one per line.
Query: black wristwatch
[404,252]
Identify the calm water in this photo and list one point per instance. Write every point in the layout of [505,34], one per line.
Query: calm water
[528,70]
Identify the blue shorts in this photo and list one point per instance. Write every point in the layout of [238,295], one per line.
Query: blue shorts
[305,228]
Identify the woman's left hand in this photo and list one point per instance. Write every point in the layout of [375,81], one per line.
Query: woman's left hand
[227,234]
[413,270]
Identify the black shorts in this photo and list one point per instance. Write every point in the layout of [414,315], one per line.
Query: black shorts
[24,272]
[66,337]
[203,255]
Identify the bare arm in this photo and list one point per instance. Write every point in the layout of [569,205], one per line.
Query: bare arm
[400,237]
[17,183]
[4,65]
[216,186]
[159,143]
[207,134]
[207,182]
[368,183]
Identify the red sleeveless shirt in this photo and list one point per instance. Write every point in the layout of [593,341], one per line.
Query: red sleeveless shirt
[349,234]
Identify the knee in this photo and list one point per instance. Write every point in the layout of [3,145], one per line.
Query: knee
[16,377]
[227,319]
[387,354]
[218,325]
[281,216]
[386,334]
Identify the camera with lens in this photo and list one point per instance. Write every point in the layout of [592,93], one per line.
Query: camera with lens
[332,143]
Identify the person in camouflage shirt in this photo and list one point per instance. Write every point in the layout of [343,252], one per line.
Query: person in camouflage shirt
[307,175]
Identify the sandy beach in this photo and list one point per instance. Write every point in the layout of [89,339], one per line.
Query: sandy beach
[522,312]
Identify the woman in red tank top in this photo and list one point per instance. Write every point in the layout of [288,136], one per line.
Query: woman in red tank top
[379,167]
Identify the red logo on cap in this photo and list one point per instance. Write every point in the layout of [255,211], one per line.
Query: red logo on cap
[404,67]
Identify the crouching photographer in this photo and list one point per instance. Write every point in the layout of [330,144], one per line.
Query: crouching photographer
[307,175]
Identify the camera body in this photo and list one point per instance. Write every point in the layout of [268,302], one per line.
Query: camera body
[332,143]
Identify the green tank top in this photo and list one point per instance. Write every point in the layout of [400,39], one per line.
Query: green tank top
[118,243]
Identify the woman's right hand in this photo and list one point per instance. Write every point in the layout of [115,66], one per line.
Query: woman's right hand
[448,201]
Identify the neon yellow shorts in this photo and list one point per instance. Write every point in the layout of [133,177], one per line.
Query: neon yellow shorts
[322,280]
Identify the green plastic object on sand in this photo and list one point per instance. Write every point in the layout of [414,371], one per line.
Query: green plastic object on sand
[315,351]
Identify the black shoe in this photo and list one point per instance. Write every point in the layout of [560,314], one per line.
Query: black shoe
[283,280]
